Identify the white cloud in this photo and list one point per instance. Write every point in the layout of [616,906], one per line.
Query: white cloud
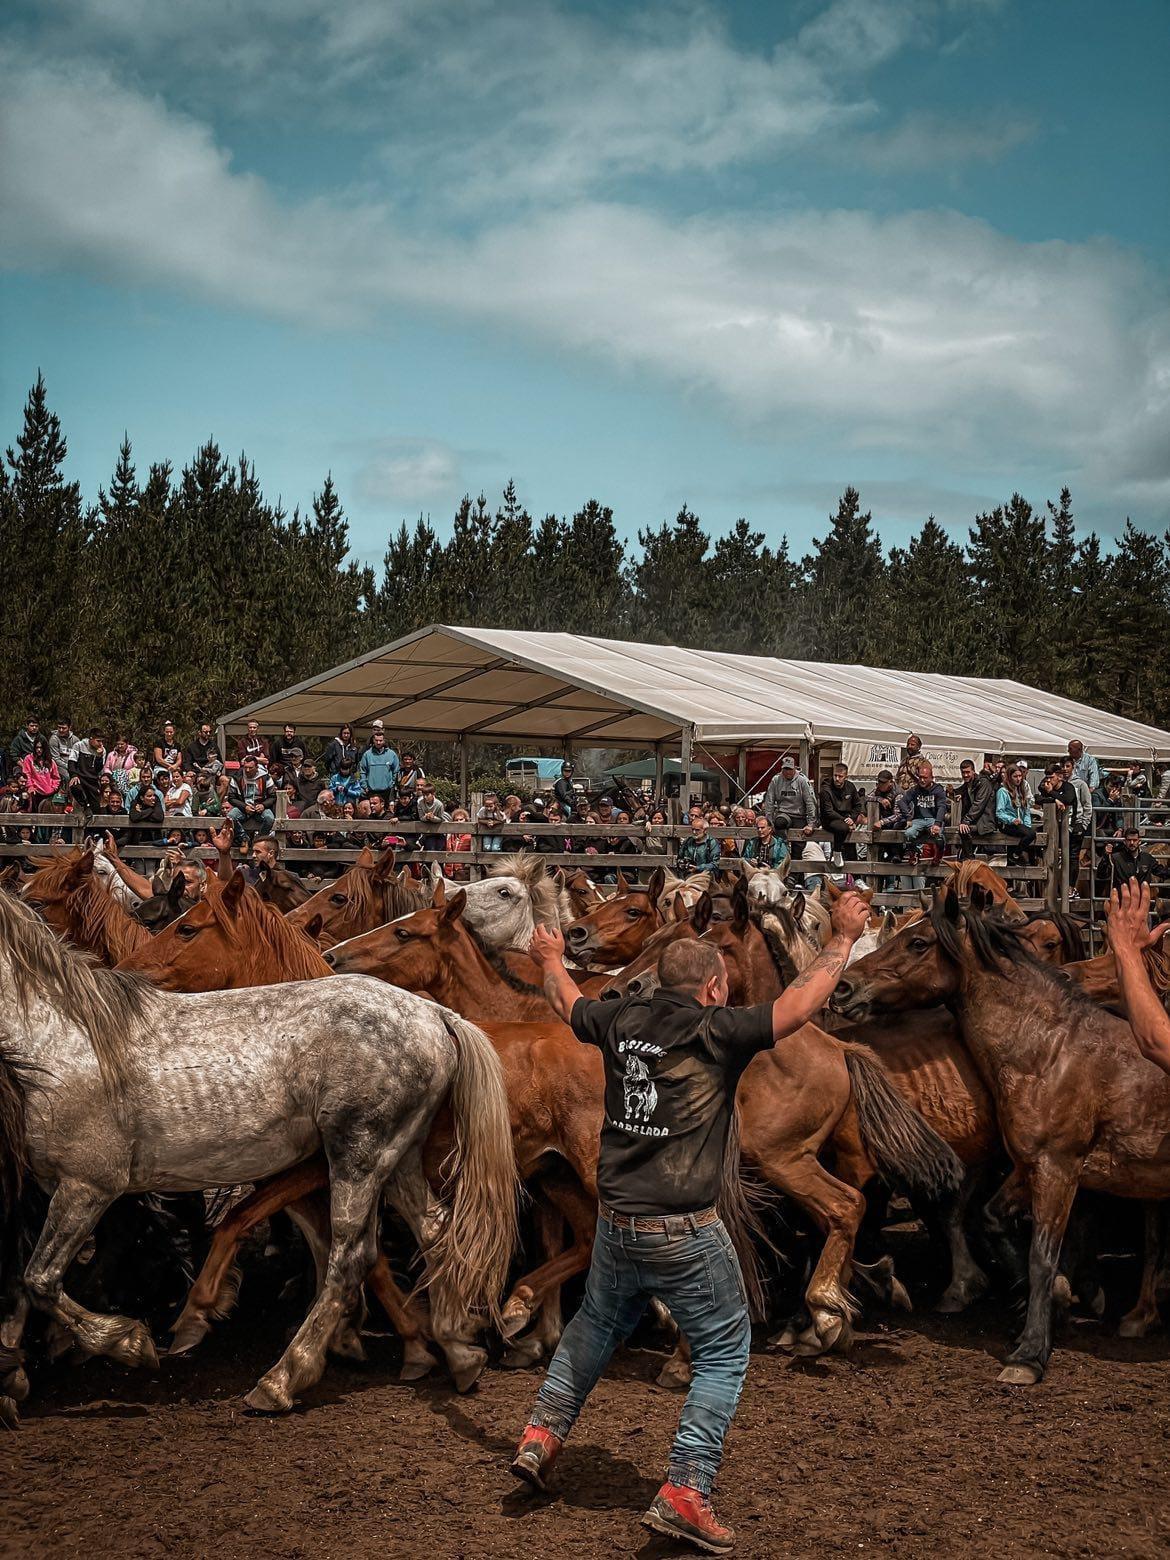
[406,474]
[924,332]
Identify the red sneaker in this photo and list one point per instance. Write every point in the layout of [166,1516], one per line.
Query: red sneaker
[678,1511]
[535,1456]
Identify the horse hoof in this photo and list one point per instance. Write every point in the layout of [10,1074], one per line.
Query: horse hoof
[675,1377]
[266,1398]
[1020,1375]
[516,1316]
[416,1369]
[523,1355]
[348,1346]
[135,1348]
[467,1375]
[811,1342]
[9,1413]
[188,1335]
[1134,1326]
[1061,1291]
[899,1296]
[785,1340]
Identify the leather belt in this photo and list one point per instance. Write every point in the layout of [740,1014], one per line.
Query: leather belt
[660,1224]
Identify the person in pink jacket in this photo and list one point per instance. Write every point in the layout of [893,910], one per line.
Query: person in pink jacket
[41,776]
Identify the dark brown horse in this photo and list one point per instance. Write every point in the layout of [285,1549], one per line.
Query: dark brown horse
[1078,1105]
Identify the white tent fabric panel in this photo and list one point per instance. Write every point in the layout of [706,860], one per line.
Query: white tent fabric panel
[503,685]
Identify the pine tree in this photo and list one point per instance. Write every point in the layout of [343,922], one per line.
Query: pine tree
[840,612]
[929,618]
[670,582]
[1008,548]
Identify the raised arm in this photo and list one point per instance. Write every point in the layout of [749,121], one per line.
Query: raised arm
[547,948]
[1129,937]
[133,880]
[809,992]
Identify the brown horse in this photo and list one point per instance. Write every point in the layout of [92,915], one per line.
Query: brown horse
[281,889]
[227,940]
[1097,977]
[365,895]
[1078,1105]
[614,932]
[75,902]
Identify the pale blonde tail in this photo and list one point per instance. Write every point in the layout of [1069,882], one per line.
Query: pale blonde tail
[470,1259]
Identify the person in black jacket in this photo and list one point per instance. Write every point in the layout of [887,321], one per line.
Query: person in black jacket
[343,747]
[842,810]
[976,808]
[85,778]
[203,751]
[565,794]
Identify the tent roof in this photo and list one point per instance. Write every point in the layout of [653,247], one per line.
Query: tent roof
[497,685]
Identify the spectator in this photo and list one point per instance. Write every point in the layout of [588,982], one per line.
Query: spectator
[1137,782]
[1085,765]
[491,815]
[1080,825]
[285,746]
[251,798]
[178,795]
[912,760]
[767,849]
[341,749]
[701,852]
[379,767]
[976,807]
[22,743]
[1013,815]
[206,801]
[120,760]
[40,777]
[1109,809]
[459,840]
[842,810]
[253,745]
[429,809]
[1126,859]
[565,792]
[88,768]
[166,753]
[789,801]
[346,785]
[145,806]
[922,810]
[64,746]
[410,773]
[1055,788]
[203,751]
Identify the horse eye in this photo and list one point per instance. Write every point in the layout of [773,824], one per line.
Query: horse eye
[504,893]
[634,914]
[402,934]
[337,899]
[187,930]
[919,944]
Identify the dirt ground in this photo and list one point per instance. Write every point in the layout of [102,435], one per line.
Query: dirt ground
[908,1448]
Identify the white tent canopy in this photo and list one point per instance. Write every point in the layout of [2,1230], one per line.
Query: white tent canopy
[494,685]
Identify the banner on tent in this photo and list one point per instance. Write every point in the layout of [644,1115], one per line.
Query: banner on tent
[867,759]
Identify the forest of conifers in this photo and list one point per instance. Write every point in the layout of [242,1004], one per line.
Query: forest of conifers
[183,593]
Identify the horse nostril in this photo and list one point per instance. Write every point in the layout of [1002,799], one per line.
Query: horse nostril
[578,933]
[843,991]
[610,994]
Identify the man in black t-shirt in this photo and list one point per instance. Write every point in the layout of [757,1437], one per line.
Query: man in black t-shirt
[672,1065]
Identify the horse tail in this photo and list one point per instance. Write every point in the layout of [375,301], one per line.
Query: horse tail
[740,1205]
[14,1083]
[470,1258]
[904,1147]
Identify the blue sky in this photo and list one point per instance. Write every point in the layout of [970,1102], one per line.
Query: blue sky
[737,255]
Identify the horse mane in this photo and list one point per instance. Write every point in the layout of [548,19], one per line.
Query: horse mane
[977,874]
[104,1004]
[258,929]
[101,921]
[551,905]
[500,965]
[774,939]
[995,942]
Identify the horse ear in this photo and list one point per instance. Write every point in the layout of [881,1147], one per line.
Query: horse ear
[313,929]
[739,909]
[951,907]
[453,908]
[439,895]
[798,904]
[385,866]
[559,877]
[176,890]
[834,891]
[981,900]
[865,890]
[79,868]
[747,870]
[622,886]
[656,885]
[926,900]
[679,909]
[704,909]
[365,857]
[234,892]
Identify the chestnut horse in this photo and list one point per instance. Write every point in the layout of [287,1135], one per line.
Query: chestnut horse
[75,902]
[1078,1105]
[366,894]
[614,932]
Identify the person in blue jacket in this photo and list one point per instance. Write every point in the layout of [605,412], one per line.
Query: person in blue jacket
[1013,816]
[379,768]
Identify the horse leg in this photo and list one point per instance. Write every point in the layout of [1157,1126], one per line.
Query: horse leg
[837,1209]
[1011,1200]
[14,1386]
[1144,1316]
[1054,1186]
[74,1209]
[968,1280]
[216,1286]
[354,1193]
[409,1192]
[311,1217]
[530,1291]
[417,1359]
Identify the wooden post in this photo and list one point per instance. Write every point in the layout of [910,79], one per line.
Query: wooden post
[1065,863]
[658,797]
[1051,866]
[741,773]
[803,760]
[684,795]
[463,769]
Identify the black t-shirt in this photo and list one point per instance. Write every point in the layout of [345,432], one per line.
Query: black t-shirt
[671,1070]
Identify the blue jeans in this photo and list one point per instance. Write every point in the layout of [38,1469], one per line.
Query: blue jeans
[251,823]
[918,829]
[695,1273]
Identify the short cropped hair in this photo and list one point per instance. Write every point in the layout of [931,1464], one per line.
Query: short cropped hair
[687,965]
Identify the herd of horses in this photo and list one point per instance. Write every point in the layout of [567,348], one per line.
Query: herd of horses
[972,1062]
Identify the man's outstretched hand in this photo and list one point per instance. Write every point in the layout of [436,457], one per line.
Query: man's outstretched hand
[850,915]
[1128,917]
[547,946]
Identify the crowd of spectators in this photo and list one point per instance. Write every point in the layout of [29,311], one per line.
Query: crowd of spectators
[152,782]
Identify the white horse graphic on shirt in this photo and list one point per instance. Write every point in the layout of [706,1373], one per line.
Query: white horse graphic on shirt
[641,1095]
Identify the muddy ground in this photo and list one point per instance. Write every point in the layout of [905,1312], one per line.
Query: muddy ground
[908,1448]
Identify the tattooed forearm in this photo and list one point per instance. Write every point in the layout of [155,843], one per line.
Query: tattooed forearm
[832,961]
[809,992]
